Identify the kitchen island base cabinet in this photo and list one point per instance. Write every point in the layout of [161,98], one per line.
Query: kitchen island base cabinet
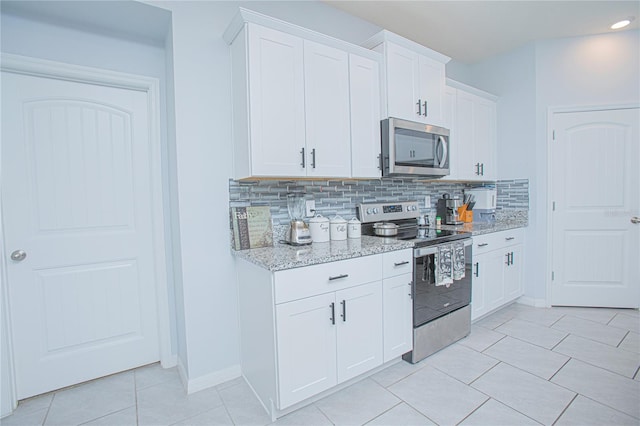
[306,330]
[497,271]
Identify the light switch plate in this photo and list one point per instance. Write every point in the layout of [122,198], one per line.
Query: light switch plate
[311,206]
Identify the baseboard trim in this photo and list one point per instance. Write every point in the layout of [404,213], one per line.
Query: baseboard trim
[208,380]
[530,301]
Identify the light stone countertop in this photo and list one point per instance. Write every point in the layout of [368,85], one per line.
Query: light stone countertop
[504,222]
[283,256]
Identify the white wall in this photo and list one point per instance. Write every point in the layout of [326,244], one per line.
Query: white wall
[578,71]
[208,350]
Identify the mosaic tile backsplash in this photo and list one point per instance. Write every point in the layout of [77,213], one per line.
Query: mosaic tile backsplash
[341,196]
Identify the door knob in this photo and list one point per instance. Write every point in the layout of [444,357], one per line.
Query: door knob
[635,219]
[18,255]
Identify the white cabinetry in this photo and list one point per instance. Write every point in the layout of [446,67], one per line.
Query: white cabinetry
[302,102]
[497,270]
[305,330]
[473,135]
[398,303]
[414,79]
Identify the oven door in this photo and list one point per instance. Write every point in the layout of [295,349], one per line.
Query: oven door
[431,301]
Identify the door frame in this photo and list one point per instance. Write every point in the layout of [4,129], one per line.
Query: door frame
[551,111]
[151,86]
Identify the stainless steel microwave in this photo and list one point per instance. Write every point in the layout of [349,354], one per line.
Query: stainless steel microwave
[414,149]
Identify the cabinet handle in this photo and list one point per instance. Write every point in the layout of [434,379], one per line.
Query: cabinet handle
[508,262]
[512,258]
[477,265]
[344,310]
[333,313]
[477,169]
[406,262]
[380,165]
[510,238]
[482,169]
[313,158]
[483,245]
[303,164]
[411,290]
[338,277]
[425,108]
[419,107]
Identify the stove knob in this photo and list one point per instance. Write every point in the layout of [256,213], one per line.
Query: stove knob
[375,210]
[413,208]
[369,211]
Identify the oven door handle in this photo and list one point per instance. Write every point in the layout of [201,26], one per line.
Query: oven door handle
[426,251]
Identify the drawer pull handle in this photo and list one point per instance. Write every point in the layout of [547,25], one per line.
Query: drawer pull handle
[483,245]
[333,313]
[338,277]
[406,262]
[510,238]
[344,310]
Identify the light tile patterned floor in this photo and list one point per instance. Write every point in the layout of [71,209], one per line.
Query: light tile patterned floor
[519,366]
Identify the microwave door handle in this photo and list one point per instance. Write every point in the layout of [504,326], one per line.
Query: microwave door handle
[445,151]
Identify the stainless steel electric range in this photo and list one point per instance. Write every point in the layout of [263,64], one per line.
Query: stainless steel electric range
[441,291]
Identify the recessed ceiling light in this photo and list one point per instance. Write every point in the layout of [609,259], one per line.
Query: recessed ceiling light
[621,24]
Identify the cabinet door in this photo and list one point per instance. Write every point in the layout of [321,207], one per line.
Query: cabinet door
[306,339]
[364,93]
[432,76]
[402,83]
[484,128]
[359,329]
[513,274]
[328,132]
[464,149]
[478,285]
[493,269]
[276,102]
[397,317]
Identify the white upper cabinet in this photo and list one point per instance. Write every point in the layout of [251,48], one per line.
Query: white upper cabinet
[364,83]
[328,126]
[303,102]
[473,133]
[276,113]
[414,80]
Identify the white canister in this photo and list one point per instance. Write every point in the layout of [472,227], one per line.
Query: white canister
[338,227]
[354,229]
[319,228]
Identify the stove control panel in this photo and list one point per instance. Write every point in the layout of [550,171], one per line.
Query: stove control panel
[386,212]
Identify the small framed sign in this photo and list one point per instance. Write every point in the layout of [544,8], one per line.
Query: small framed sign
[251,227]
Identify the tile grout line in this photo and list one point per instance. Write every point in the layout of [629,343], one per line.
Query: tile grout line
[565,408]
[384,412]
[135,390]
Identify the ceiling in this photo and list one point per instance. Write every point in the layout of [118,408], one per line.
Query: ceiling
[472,31]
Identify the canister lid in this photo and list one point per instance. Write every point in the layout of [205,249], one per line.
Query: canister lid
[338,219]
[319,219]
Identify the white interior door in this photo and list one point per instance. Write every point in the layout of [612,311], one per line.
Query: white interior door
[77,200]
[596,190]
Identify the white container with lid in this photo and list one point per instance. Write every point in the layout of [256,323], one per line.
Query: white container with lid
[354,228]
[338,228]
[319,227]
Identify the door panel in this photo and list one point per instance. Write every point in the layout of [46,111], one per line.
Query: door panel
[83,301]
[359,320]
[398,316]
[596,193]
[306,338]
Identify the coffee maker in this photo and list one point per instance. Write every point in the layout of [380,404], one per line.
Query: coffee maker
[447,209]
[298,233]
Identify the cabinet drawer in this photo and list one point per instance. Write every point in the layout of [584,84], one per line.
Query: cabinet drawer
[297,283]
[397,263]
[512,237]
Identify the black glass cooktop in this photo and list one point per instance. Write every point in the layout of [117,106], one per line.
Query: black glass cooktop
[422,236]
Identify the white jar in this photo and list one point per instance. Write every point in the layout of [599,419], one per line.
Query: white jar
[338,228]
[319,228]
[354,228]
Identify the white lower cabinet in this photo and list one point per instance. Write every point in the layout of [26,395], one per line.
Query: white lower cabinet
[328,339]
[305,330]
[398,316]
[497,271]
